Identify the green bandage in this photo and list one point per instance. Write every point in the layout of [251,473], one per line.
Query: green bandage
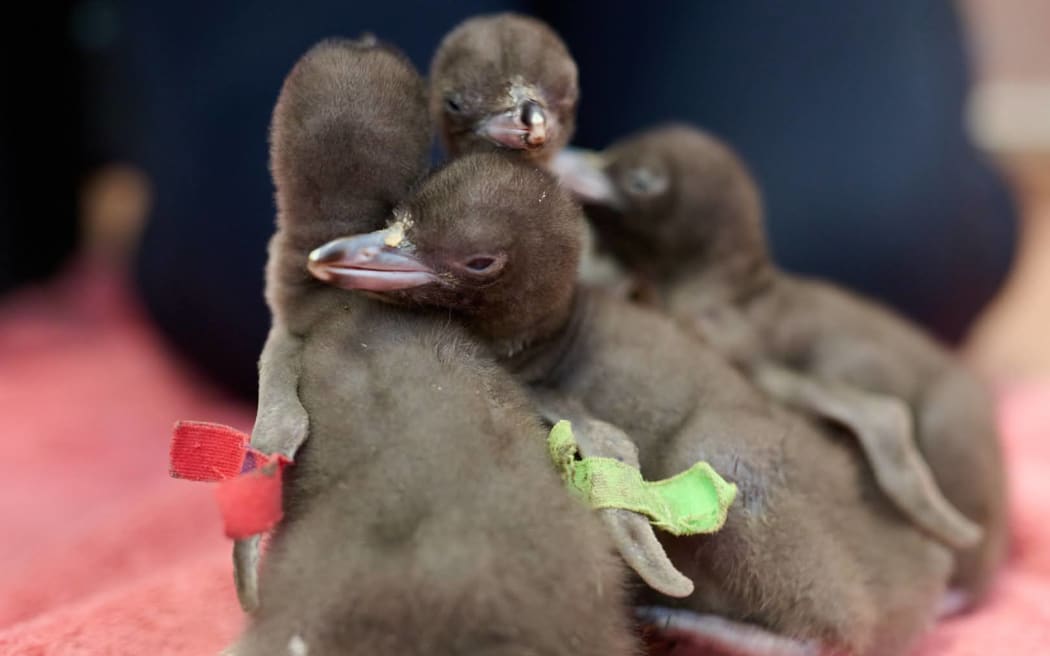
[694,501]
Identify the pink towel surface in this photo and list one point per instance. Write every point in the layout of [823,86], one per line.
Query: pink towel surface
[102,553]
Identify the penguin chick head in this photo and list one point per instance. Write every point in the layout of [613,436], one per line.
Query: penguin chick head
[349,139]
[668,196]
[504,81]
[349,131]
[494,239]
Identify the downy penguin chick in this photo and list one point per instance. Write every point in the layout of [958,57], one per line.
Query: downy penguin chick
[349,137]
[423,514]
[810,559]
[684,213]
[504,82]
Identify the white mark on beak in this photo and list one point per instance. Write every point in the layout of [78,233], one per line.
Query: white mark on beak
[395,234]
[396,230]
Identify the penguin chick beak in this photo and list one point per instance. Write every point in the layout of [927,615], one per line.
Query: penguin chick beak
[524,127]
[366,262]
[582,172]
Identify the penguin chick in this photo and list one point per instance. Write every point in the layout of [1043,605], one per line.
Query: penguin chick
[657,251]
[382,263]
[683,212]
[504,81]
[349,137]
[423,514]
[809,556]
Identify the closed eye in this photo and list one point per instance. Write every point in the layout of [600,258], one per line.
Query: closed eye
[480,264]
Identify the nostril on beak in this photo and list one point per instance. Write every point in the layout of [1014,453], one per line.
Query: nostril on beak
[534,118]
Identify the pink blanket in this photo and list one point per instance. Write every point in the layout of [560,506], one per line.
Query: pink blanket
[104,554]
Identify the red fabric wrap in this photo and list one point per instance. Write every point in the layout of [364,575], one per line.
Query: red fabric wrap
[251,504]
[249,493]
[202,451]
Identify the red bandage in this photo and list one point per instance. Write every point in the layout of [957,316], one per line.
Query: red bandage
[249,492]
[201,451]
[251,504]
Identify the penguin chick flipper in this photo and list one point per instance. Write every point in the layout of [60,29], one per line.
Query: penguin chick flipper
[726,636]
[281,426]
[246,572]
[971,472]
[632,533]
[883,427]
[281,422]
[636,543]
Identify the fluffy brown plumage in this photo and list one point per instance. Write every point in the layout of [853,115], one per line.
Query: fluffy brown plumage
[504,82]
[810,551]
[684,213]
[423,514]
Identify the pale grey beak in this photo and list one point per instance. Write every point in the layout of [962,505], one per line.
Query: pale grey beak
[582,172]
[367,262]
[525,126]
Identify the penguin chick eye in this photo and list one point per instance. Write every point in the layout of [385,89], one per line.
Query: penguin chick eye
[452,106]
[483,264]
[645,182]
[480,264]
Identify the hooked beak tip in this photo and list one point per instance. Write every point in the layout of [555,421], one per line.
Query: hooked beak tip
[320,260]
[523,127]
[535,120]
[317,267]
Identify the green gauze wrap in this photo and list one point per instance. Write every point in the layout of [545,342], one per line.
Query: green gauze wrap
[695,501]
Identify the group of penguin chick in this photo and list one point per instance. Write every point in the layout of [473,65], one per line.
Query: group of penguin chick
[426,326]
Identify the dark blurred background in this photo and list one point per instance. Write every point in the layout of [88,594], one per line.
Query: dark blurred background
[850,112]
